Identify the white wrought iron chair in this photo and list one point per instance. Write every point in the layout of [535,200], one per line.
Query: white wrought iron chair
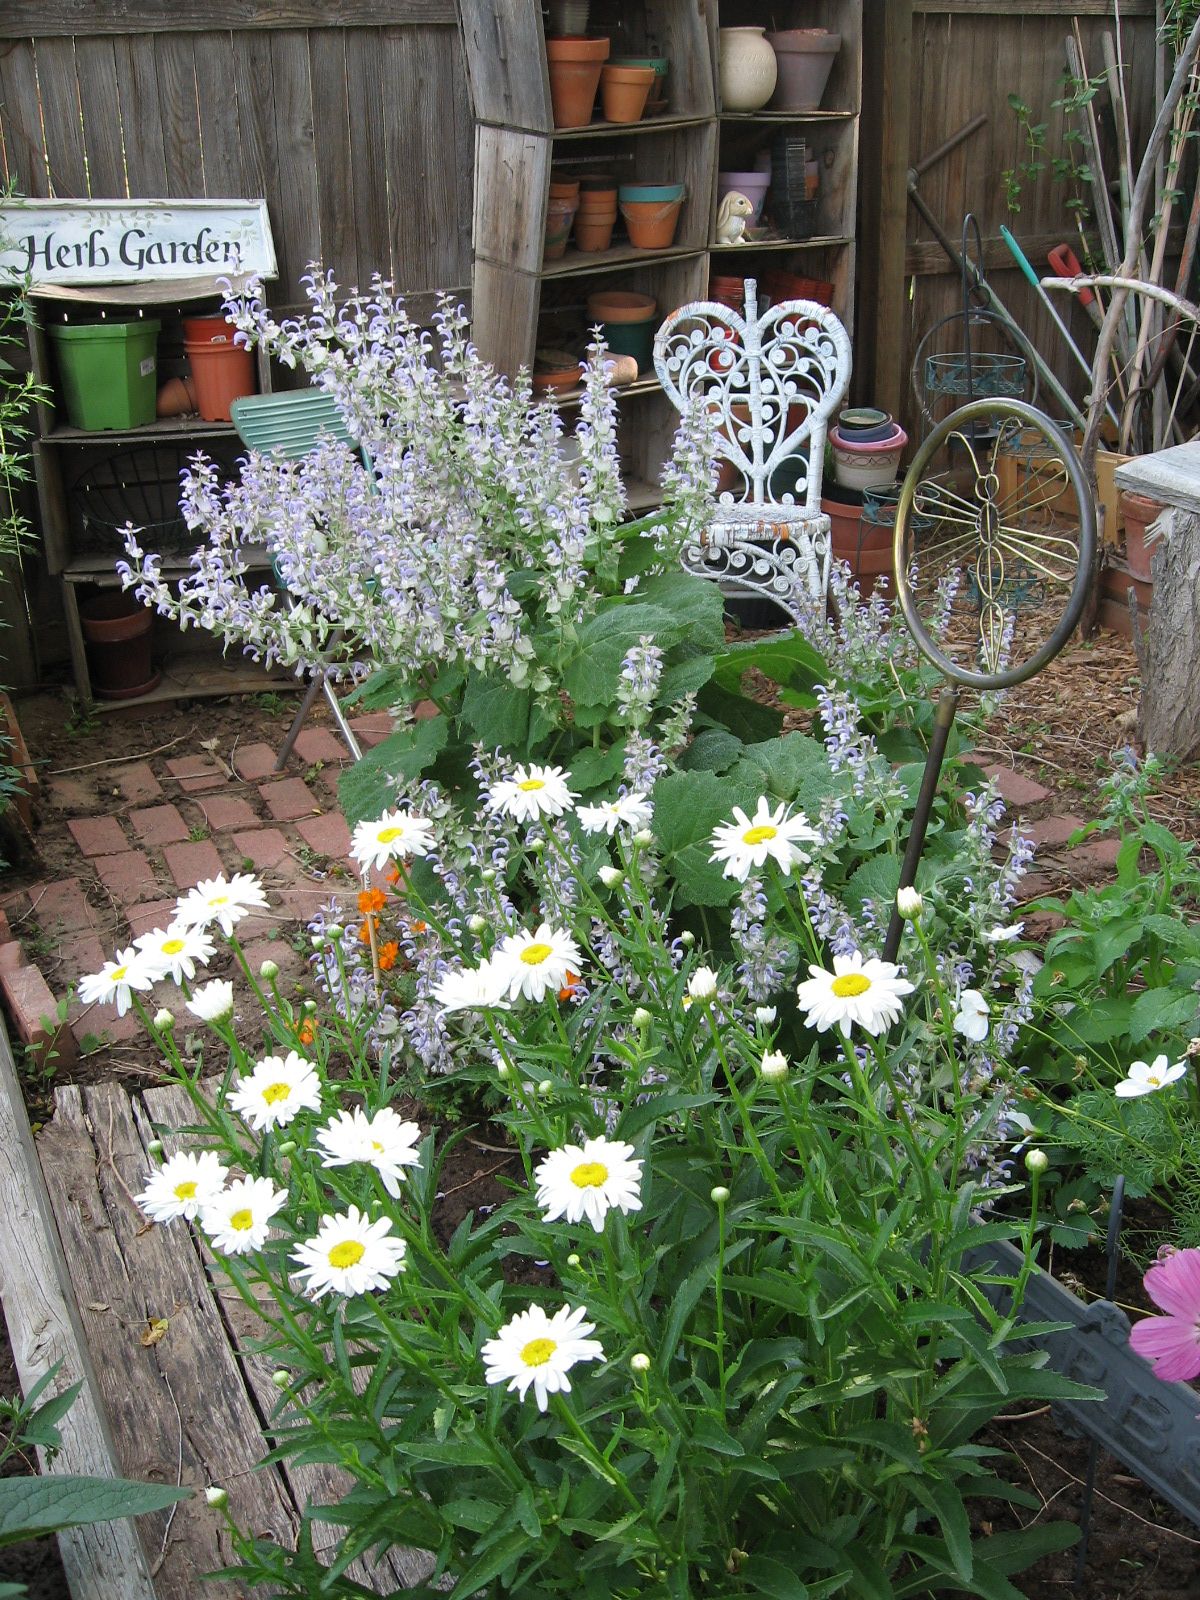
[772,382]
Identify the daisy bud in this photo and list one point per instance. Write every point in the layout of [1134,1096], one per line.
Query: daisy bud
[702,985]
[1036,1161]
[536,847]
[269,971]
[163,1019]
[503,1069]
[610,876]
[718,1195]
[545,1087]
[640,1362]
[488,874]
[335,930]
[288,1148]
[216,1497]
[318,941]
[687,938]
[765,1015]
[643,838]
[642,1019]
[310,1005]
[909,904]
[281,1378]
[774,1066]
[572,1260]
[476,924]
[155,1149]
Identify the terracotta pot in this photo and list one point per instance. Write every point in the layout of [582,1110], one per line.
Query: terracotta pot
[651,223]
[559,371]
[564,188]
[867,466]
[597,202]
[1138,511]
[594,230]
[748,69]
[624,92]
[620,305]
[559,216]
[119,634]
[575,65]
[866,548]
[176,398]
[805,57]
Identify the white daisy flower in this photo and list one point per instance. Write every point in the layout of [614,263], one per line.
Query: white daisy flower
[765,1015]
[382,1141]
[212,1001]
[749,842]
[238,1219]
[535,962]
[540,1350]
[530,793]
[279,1087]
[972,1018]
[909,904]
[632,809]
[183,1186]
[774,1065]
[481,988]
[222,900]
[350,1255]
[1142,1079]
[174,952]
[863,991]
[702,985]
[395,833]
[116,981]
[1004,935]
[587,1180]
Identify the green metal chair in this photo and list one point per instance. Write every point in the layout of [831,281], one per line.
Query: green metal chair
[290,424]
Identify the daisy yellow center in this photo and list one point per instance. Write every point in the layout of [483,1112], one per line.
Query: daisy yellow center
[219,900]
[118,973]
[530,785]
[759,835]
[538,1351]
[1153,1079]
[275,1092]
[172,947]
[186,1190]
[376,1144]
[534,954]
[850,985]
[389,835]
[589,1175]
[347,1254]
[241,1221]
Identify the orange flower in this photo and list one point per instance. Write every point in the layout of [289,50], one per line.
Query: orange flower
[307,1031]
[364,933]
[570,986]
[372,900]
[387,955]
[393,874]
[418,927]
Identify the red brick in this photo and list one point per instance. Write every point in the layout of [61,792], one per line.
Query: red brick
[190,862]
[159,824]
[6,932]
[276,950]
[224,812]
[98,836]
[289,798]
[320,744]
[254,761]
[150,915]
[1015,788]
[1099,852]
[264,848]
[101,1024]
[197,773]
[129,877]
[327,835]
[1051,833]
[61,907]
[11,954]
[137,782]
[34,1010]
[303,901]
[71,794]
[372,729]
[86,954]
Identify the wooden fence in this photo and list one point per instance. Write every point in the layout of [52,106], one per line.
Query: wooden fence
[350,116]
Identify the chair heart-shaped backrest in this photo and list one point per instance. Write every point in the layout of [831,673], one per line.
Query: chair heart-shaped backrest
[771,383]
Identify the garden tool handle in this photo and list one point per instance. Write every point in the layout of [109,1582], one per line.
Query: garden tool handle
[1065,264]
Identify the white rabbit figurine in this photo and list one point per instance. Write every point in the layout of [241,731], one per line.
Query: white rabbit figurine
[732,216]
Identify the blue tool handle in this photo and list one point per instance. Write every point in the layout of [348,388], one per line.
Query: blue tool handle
[1019,256]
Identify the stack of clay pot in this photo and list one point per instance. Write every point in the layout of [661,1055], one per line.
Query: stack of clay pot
[597,214]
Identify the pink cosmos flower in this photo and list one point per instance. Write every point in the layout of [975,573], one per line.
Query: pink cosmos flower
[1172,1342]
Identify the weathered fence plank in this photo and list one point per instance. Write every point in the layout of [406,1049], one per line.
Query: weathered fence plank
[137,89]
[337,201]
[368,155]
[61,127]
[299,207]
[96,70]
[219,116]
[28,18]
[21,120]
[180,113]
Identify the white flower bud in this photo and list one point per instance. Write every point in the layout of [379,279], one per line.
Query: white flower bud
[1036,1161]
[765,1015]
[687,938]
[702,985]
[155,1149]
[310,1005]
[288,1148]
[610,876]
[642,1019]
[281,1378]
[643,838]
[774,1066]
[318,941]
[488,874]
[718,1195]
[476,923]
[572,1260]
[909,904]
[503,1070]
[216,1497]
[269,970]
[640,1362]
[164,1019]
[545,1087]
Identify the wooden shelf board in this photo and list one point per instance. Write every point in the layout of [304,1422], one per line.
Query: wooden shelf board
[642,496]
[787,116]
[101,569]
[817,242]
[202,678]
[646,385]
[166,429]
[606,130]
[576,262]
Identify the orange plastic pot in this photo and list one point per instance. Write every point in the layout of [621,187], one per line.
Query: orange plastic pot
[594,230]
[575,65]
[222,371]
[651,223]
[624,92]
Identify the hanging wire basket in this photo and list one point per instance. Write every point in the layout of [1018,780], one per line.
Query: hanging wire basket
[982,375]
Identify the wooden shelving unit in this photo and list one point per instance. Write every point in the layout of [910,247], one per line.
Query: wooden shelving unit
[520,302]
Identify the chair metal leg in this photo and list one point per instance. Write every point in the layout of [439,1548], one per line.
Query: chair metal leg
[339,716]
[306,705]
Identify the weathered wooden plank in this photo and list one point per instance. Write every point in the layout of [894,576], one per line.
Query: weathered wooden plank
[506,63]
[137,88]
[21,120]
[219,115]
[179,1408]
[96,69]
[42,18]
[338,202]
[368,154]
[1065,9]
[256,124]
[62,128]
[299,208]
[44,1328]
[179,113]
[422,66]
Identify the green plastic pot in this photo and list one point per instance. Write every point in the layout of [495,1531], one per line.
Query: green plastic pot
[109,372]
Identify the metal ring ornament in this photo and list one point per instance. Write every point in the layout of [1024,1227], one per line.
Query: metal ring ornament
[989,540]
